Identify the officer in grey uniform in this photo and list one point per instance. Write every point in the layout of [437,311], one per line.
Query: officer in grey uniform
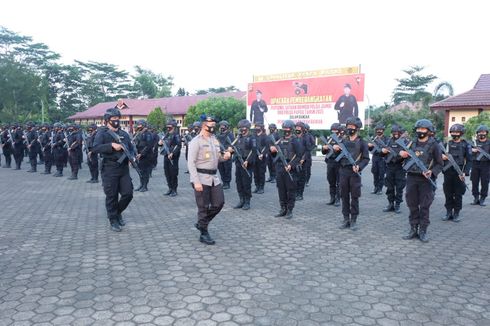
[203,158]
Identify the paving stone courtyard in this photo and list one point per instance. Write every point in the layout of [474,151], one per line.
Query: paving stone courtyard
[61,265]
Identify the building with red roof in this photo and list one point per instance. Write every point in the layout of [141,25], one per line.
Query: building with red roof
[136,109]
[460,108]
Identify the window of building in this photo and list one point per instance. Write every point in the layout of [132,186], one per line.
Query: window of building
[453,119]
[463,119]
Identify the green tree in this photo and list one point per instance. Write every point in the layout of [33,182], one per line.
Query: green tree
[103,82]
[182,92]
[157,118]
[148,84]
[217,90]
[222,108]
[472,124]
[414,87]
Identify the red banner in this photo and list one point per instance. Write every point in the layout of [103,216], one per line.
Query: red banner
[311,100]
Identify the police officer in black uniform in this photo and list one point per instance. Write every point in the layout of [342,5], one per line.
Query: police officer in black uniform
[59,149]
[19,146]
[292,149]
[378,164]
[74,145]
[33,146]
[350,180]
[309,161]
[245,143]
[333,167]
[420,192]
[454,184]
[225,137]
[271,165]
[46,148]
[92,157]
[7,146]
[143,141]
[308,146]
[396,177]
[260,165]
[171,157]
[116,179]
[480,172]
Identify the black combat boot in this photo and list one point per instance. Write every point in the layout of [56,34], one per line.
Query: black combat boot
[206,238]
[115,225]
[380,191]
[397,208]
[226,185]
[299,196]
[240,203]
[390,207]
[73,176]
[423,235]
[345,224]
[272,180]
[412,234]
[169,191]
[261,189]
[476,201]
[353,223]
[332,200]
[256,189]
[246,204]
[448,216]
[482,201]
[282,212]
[456,217]
[337,201]
[173,193]
[289,213]
[375,191]
[144,187]
[120,220]
[58,174]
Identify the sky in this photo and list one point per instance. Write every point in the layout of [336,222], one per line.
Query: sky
[220,43]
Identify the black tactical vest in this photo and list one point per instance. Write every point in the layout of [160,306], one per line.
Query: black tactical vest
[458,150]
[424,153]
[485,146]
[354,148]
[245,144]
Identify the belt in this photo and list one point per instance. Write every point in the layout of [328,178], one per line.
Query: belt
[206,171]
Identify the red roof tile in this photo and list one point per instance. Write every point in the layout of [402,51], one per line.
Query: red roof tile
[174,105]
[479,96]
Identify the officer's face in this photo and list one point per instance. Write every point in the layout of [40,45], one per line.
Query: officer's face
[259,96]
[170,128]
[335,131]
[244,131]
[346,90]
[482,135]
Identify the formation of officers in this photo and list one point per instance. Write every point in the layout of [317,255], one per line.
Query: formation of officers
[211,149]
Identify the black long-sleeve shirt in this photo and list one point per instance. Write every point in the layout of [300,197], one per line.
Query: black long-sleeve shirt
[348,109]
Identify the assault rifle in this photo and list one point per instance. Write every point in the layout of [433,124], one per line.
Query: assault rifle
[239,156]
[452,163]
[126,154]
[280,154]
[414,160]
[344,153]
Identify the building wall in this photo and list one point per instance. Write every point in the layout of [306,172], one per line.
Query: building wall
[454,116]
